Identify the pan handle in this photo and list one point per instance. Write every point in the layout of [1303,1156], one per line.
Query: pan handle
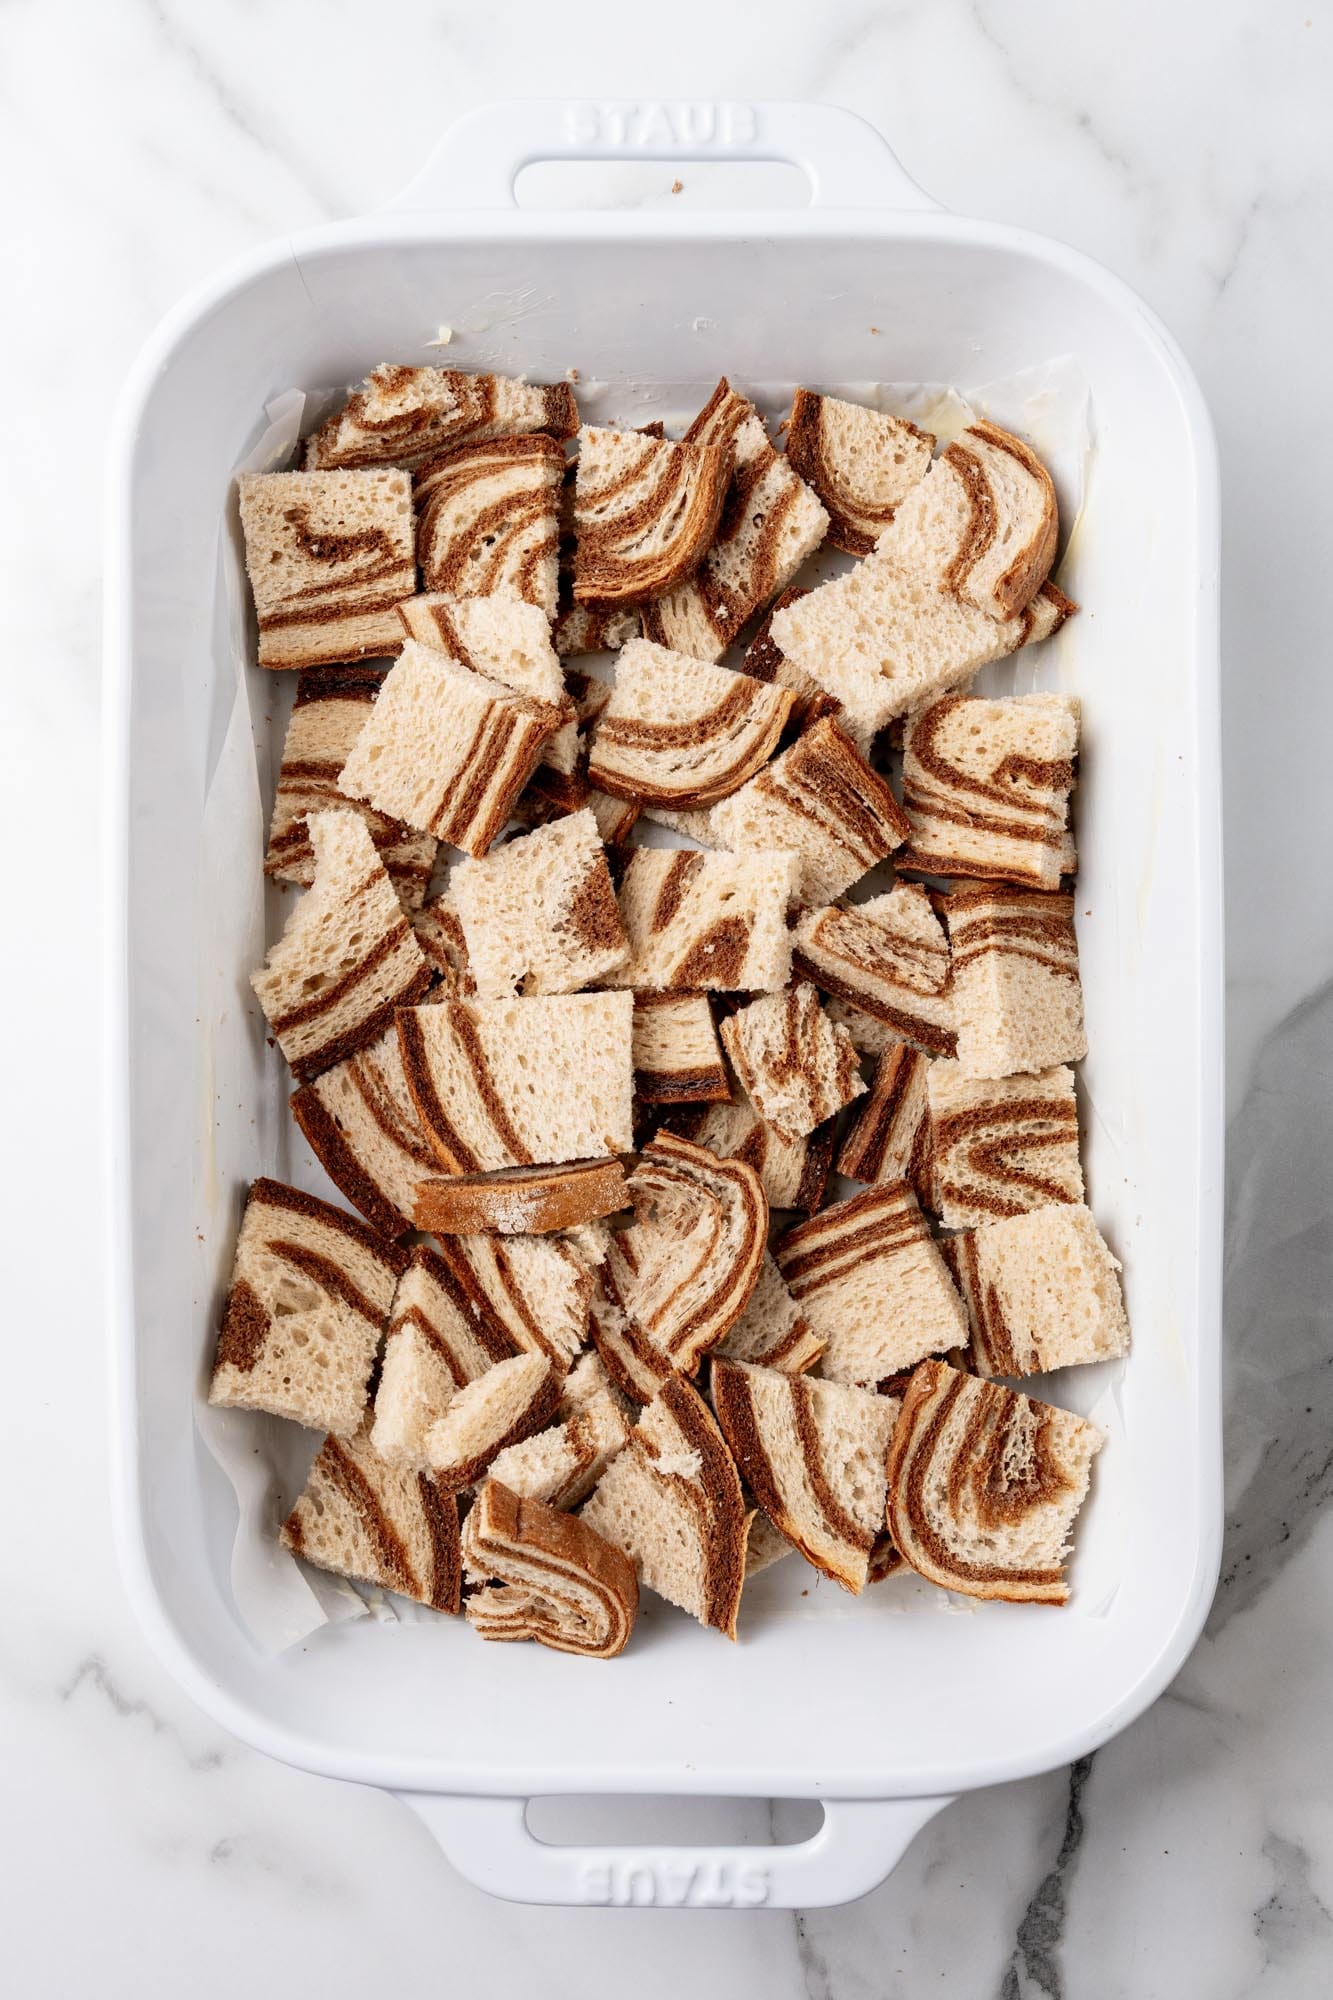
[861,1840]
[477,159]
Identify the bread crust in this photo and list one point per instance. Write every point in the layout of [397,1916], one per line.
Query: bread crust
[538,1556]
[531,1201]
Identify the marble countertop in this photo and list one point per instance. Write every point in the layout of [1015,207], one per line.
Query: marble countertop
[146,142]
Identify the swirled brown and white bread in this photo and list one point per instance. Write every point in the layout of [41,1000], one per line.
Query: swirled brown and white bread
[869,1279]
[793,1064]
[378,1523]
[327,717]
[310,1293]
[536,1287]
[593,628]
[518,1083]
[507,641]
[440,1338]
[1042,1291]
[1017,998]
[677,1055]
[539,912]
[815,1456]
[520,1201]
[1001,1145]
[487,520]
[770,523]
[359,1121]
[706,921]
[772,1332]
[684,1270]
[792,1172]
[820,800]
[347,956]
[400,416]
[510,1401]
[889,957]
[646,511]
[986,788]
[678,732]
[950,585]
[330,555]
[561,1465]
[985,1484]
[440,935]
[448,750]
[546,1575]
[860,462]
[765,661]
[891,1138]
[672,1501]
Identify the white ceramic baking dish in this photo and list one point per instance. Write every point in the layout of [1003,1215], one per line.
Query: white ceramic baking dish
[881,1709]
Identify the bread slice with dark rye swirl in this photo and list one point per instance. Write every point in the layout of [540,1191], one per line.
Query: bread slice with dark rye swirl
[510,1401]
[331,706]
[792,1172]
[891,1139]
[401,415]
[329,555]
[311,1288]
[986,788]
[985,1485]
[487,520]
[860,462]
[772,1332]
[671,1500]
[561,1464]
[677,1055]
[1000,1146]
[815,1456]
[680,733]
[645,513]
[440,1338]
[796,1066]
[1017,997]
[684,1270]
[378,1523]
[347,957]
[771,522]
[359,1121]
[545,1575]
[888,957]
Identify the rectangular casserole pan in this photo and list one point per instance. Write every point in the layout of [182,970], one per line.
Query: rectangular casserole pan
[879,1712]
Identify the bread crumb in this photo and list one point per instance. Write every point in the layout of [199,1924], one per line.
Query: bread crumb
[676,186]
[874,329]
[572,375]
[443,336]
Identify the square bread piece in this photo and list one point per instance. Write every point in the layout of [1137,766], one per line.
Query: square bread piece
[359,1121]
[347,956]
[400,415]
[645,513]
[447,750]
[517,1083]
[821,800]
[487,520]
[330,555]
[889,957]
[765,661]
[539,913]
[891,1137]
[440,1338]
[1001,1145]
[985,1484]
[677,1055]
[706,921]
[792,1172]
[1042,1292]
[537,1288]
[507,641]
[770,523]
[862,463]
[986,786]
[378,1524]
[793,1064]
[311,1289]
[869,1279]
[1017,998]
[772,1332]
[678,732]
[330,710]
[899,628]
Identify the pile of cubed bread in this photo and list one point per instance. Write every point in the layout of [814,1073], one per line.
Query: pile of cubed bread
[598,1324]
